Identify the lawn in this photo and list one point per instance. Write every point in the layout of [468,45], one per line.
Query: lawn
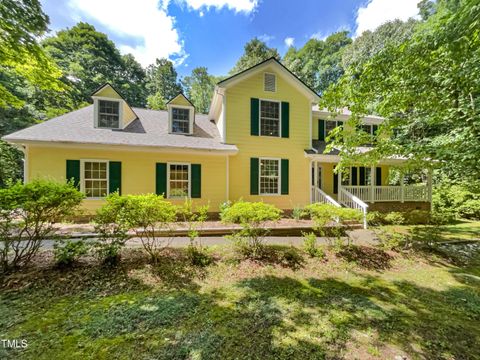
[358,303]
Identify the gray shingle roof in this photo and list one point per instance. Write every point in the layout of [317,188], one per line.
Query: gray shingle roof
[150,129]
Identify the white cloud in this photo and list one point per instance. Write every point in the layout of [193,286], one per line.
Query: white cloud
[237,5]
[377,12]
[151,27]
[266,38]
[289,41]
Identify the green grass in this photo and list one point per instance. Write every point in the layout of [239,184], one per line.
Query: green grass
[359,303]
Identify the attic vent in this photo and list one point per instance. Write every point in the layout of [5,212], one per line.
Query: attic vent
[270,82]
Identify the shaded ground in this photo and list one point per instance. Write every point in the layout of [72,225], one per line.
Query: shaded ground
[356,303]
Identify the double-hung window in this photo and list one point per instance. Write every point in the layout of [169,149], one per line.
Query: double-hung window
[180,120]
[269,118]
[330,125]
[108,114]
[95,179]
[368,129]
[269,176]
[178,180]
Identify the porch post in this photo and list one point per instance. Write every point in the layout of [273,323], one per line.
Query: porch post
[310,182]
[372,184]
[402,186]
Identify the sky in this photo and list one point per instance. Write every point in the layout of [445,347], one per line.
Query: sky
[213,33]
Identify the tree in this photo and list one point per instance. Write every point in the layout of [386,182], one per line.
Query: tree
[21,24]
[427,88]
[255,52]
[156,102]
[371,43]
[200,87]
[318,62]
[88,59]
[162,79]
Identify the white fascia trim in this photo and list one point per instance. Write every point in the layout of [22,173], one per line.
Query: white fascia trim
[326,115]
[136,148]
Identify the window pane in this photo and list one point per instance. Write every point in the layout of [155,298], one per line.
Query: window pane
[95,176]
[108,114]
[329,126]
[178,180]
[180,120]
[367,128]
[269,118]
[269,176]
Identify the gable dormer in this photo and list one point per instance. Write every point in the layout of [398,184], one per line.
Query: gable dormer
[111,111]
[181,115]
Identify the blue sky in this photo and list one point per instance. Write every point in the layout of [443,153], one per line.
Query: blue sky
[212,33]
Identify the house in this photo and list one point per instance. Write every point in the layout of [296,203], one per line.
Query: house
[263,140]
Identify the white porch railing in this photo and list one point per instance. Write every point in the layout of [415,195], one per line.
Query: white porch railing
[389,193]
[319,196]
[349,200]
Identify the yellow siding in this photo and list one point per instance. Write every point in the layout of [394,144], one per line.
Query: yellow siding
[292,148]
[128,114]
[315,128]
[108,92]
[180,100]
[138,170]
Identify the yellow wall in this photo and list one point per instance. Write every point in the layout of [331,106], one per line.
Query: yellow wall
[292,148]
[180,100]
[138,170]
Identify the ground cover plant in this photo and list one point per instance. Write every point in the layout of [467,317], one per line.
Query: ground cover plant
[378,305]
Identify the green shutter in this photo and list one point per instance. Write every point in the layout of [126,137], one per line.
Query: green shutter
[254,167]
[321,130]
[353,175]
[284,178]
[362,176]
[254,113]
[378,176]
[115,177]
[335,183]
[73,172]
[196,190]
[285,119]
[161,179]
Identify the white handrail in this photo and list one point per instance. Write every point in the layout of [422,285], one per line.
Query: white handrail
[389,193]
[353,202]
[318,195]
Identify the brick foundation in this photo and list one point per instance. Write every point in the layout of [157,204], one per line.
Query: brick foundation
[406,206]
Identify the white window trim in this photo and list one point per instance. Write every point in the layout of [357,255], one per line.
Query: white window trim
[371,128]
[189,180]
[279,118]
[269,73]
[96,108]
[279,192]
[170,118]
[82,177]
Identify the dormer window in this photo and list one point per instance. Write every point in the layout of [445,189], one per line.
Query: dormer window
[180,120]
[269,82]
[108,114]
[181,115]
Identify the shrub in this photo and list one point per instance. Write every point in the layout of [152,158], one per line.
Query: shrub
[451,201]
[310,245]
[325,214]
[150,213]
[394,218]
[470,209]
[67,252]
[252,217]
[112,224]
[417,217]
[297,213]
[27,216]
[375,218]
[194,217]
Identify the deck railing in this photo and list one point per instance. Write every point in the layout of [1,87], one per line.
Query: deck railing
[319,196]
[389,193]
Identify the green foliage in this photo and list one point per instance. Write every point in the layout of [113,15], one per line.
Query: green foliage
[27,216]
[391,240]
[255,52]
[10,164]
[452,201]
[199,86]
[88,59]
[375,218]
[394,218]
[431,105]
[156,102]
[310,245]
[162,79]
[150,213]
[318,62]
[67,252]
[297,213]
[198,256]
[252,217]
[112,224]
